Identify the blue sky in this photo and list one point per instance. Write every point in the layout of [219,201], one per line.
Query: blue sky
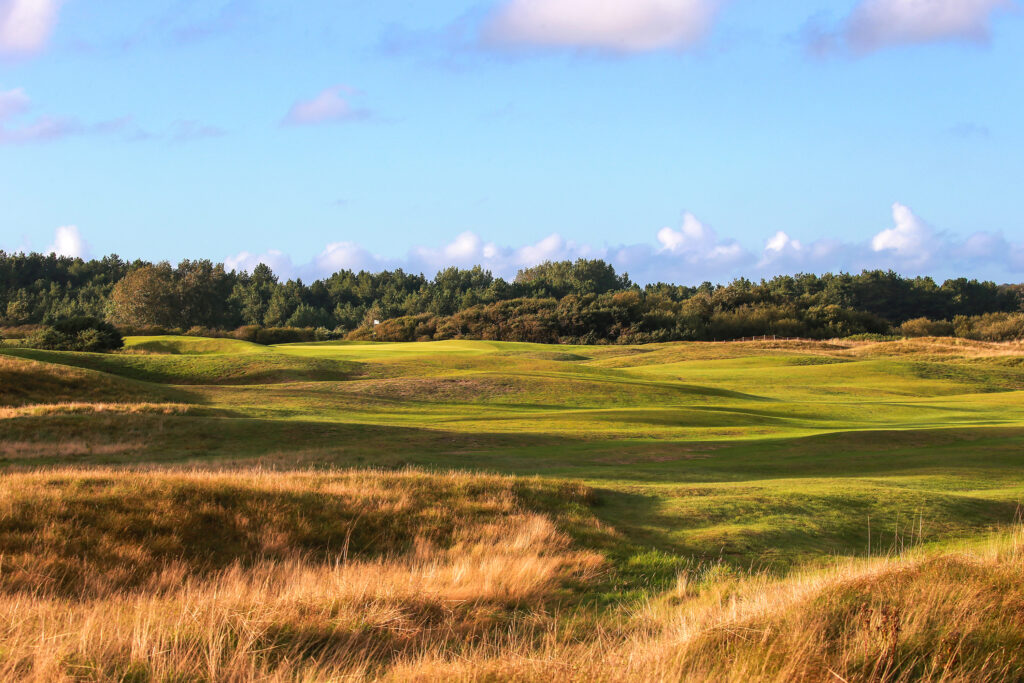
[681,139]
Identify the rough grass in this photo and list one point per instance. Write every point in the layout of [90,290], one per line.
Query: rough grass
[949,616]
[113,575]
[459,577]
[71,532]
[26,382]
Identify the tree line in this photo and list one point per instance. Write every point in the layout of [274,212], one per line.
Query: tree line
[583,301]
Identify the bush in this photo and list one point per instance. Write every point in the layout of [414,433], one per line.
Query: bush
[871,337]
[993,327]
[246,333]
[146,330]
[283,335]
[923,327]
[77,334]
[209,332]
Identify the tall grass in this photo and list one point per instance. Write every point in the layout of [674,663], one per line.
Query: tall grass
[111,575]
[955,616]
[459,578]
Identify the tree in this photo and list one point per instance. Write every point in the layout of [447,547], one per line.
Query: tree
[559,278]
[18,311]
[201,289]
[252,294]
[145,297]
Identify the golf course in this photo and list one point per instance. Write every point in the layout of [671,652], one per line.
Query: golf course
[212,509]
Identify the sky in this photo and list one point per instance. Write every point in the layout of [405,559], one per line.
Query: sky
[682,140]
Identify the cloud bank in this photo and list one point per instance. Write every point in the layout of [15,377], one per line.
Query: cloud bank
[26,25]
[616,25]
[690,254]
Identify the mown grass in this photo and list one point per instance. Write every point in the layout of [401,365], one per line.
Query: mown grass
[782,466]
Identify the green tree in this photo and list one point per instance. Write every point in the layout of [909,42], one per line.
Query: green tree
[145,297]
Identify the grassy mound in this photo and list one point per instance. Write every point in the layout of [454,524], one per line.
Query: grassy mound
[26,382]
[179,345]
[223,369]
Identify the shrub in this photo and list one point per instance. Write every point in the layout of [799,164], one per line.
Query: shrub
[994,327]
[923,327]
[146,330]
[77,334]
[871,337]
[246,333]
[209,332]
[283,335]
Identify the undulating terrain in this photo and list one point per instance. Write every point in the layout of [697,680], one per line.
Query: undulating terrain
[210,509]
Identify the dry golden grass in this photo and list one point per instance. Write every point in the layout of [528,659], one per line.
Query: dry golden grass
[78,408]
[955,616]
[938,346]
[211,576]
[292,619]
[97,584]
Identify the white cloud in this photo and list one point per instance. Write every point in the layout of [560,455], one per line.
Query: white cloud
[278,261]
[875,24]
[551,248]
[697,246]
[781,249]
[618,25]
[690,254]
[344,256]
[780,243]
[911,239]
[328,106]
[692,235]
[26,25]
[67,241]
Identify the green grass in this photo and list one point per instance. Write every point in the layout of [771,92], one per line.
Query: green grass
[764,455]
[198,368]
[191,345]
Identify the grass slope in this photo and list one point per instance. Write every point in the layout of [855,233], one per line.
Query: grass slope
[179,345]
[28,382]
[196,368]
